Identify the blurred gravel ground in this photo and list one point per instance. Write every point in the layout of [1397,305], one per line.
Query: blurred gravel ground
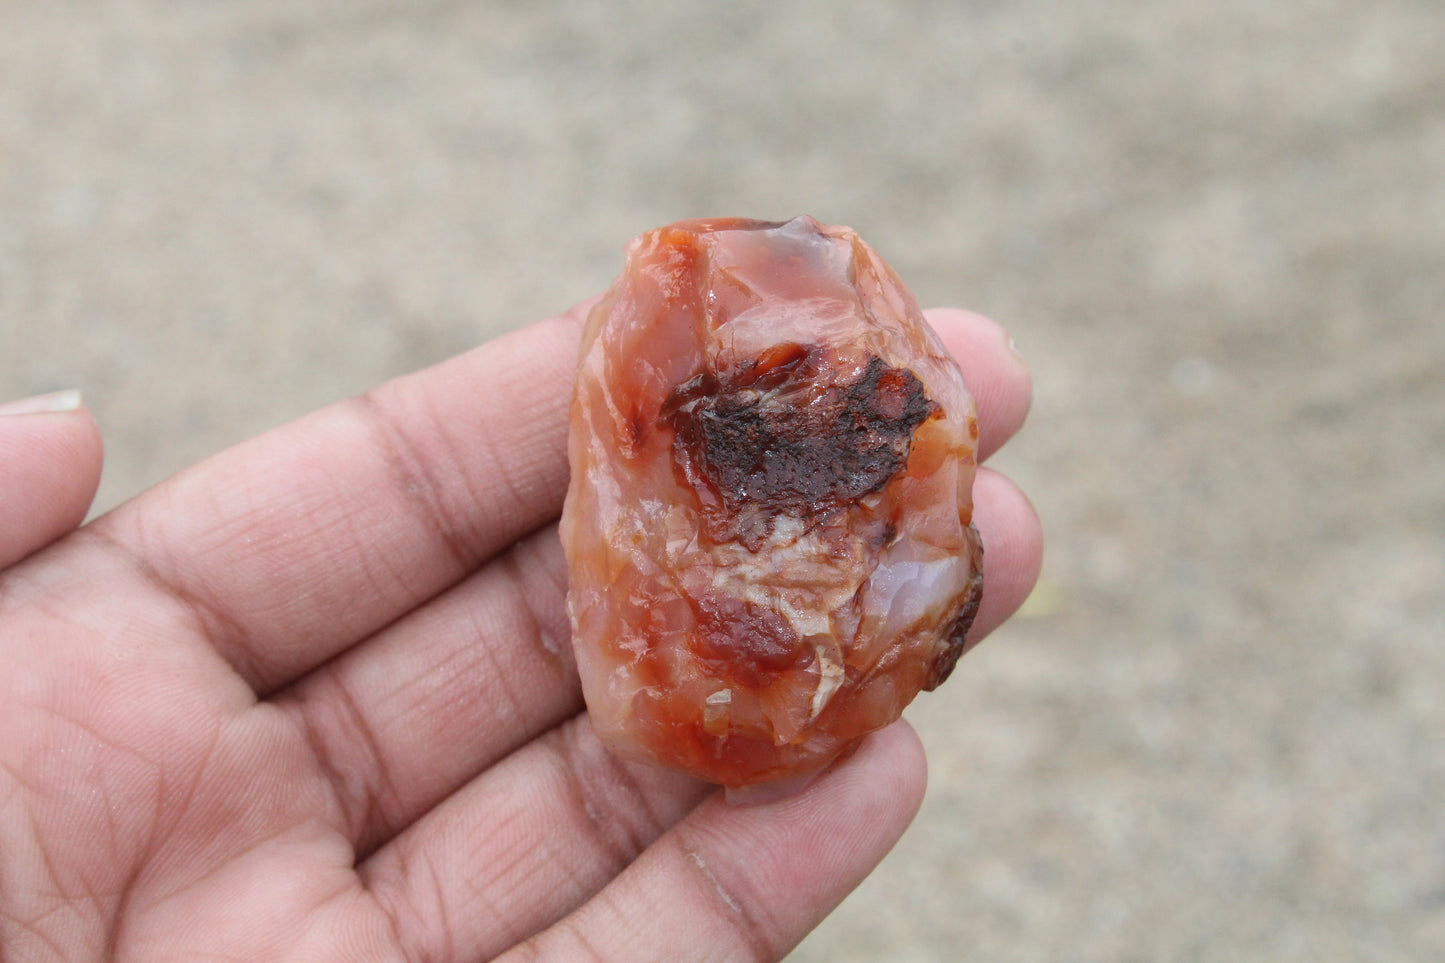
[1217,230]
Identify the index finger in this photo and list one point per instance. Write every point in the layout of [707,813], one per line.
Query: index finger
[293,545]
[296,544]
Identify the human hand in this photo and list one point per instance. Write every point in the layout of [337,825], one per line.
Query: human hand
[314,698]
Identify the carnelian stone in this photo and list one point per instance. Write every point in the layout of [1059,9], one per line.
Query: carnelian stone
[768,530]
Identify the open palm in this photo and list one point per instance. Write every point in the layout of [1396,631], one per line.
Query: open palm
[314,698]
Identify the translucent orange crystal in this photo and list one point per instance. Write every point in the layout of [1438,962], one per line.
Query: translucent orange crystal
[768,529]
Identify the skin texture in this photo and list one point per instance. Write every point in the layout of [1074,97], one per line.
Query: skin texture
[313,699]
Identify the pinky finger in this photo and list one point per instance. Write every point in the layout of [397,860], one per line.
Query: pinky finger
[749,882]
[50,457]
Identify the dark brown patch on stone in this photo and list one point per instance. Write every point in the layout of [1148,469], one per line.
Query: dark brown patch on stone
[955,643]
[779,436]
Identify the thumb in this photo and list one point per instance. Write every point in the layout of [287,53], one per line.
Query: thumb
[50,457]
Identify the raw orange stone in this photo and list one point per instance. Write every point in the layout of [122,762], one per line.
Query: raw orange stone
[768,528]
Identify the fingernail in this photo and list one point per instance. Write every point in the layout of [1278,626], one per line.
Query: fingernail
[56,401]
[1014,347]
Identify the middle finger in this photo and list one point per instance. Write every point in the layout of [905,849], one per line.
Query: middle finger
[401,721]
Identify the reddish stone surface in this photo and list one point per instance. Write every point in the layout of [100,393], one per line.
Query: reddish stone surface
[768,529]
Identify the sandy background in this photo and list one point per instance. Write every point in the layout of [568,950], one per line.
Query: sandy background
[1217,231]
